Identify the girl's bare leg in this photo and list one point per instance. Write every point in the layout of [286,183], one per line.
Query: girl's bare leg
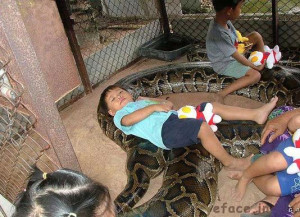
[251,77]
[211,143]
[268,184]
[257,40]
[263,166]
[258,115]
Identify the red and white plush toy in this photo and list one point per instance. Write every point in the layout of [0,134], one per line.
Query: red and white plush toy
[203,111]
[294,152]
[271,56]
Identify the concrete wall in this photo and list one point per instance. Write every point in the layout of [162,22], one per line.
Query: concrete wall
[130,8]
[118,54]
[191,5]
[139,8]
[173,7]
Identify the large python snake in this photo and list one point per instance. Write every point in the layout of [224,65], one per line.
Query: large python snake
[189,185]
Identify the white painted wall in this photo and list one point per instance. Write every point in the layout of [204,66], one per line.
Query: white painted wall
[129,8]
[6,206]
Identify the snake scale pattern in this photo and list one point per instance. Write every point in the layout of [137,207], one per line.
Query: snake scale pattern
[190,174]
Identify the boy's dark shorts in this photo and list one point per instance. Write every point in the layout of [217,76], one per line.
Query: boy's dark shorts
[177,133]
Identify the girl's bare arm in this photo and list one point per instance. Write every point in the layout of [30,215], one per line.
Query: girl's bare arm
[163,101]
[143,113]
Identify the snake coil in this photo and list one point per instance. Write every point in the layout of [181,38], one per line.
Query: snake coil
[189,185]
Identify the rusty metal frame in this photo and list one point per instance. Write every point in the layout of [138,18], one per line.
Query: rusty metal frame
[41,100]
[65,17]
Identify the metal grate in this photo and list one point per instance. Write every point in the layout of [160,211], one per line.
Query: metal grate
[21,146]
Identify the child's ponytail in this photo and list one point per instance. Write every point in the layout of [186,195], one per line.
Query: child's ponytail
[63,193]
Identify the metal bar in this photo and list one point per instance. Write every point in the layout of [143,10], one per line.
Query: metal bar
[38,96]
[275,21]
[163,16]
[65,17]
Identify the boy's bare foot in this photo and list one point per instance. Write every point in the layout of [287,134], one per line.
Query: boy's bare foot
[219,98]
[239,164]
[234,174]
[264,111]
[240,188]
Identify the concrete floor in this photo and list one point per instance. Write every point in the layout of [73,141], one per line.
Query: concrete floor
[103,160]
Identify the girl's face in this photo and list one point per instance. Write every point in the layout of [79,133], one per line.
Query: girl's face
[116,99]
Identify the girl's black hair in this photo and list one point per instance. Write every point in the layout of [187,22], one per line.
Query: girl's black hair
[102,107]
[60,194]
[221,4]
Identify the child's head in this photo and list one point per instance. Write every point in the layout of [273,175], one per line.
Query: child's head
[112,99]
[63,193]
[228,6]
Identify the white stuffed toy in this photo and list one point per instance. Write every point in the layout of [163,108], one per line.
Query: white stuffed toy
[294,152]
[271,56]
[203,111]
[6,87]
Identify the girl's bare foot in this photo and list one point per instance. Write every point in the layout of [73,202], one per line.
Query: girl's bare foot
[240,188]
[264,111]
[234,174]
[239,164]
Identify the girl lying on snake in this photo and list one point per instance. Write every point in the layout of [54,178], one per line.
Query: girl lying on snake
[154,120]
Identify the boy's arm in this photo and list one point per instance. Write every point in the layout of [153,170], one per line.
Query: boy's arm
[243,60]
[143,113]
[278,125]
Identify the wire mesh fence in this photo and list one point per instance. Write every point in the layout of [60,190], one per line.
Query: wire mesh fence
[289,30]
[21,146]
[192,18]
[109,32]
